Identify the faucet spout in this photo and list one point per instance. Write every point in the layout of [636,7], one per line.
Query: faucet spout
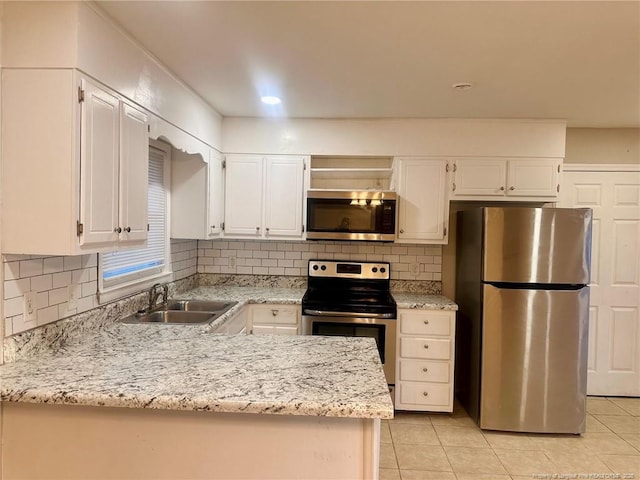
[155,293]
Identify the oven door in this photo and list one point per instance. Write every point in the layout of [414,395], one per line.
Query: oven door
[383,331]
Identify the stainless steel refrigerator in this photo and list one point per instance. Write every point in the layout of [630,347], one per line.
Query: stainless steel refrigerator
[521,288]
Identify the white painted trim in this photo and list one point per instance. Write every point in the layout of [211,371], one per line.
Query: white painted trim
[600,167]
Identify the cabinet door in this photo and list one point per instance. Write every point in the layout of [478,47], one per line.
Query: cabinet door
[243,195]
[533,177]
[479,177]
[134,174]
[216,195]
[423,210]
[284,196]
[99,160]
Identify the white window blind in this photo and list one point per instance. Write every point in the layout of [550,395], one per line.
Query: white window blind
[130,265]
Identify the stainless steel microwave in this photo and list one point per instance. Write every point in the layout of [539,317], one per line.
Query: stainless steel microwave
[357,215]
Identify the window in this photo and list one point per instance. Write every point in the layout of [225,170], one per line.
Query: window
[127,271]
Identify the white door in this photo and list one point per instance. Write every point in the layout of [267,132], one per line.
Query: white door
[479,177]
[216,195]
[134,174]
[284,197]
[533,177]
[243,195]
[423,209]
[99,160]
[614,329]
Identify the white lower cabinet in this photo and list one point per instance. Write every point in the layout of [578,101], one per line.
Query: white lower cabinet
[274,319]
[424,370]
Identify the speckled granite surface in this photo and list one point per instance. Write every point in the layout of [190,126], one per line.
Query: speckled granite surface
[184,367]
[178,368]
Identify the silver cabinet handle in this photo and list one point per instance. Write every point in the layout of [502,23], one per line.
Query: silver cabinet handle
[117,230]
[502,188]
[274,312]
[128,229]
[426,345]
[512,188]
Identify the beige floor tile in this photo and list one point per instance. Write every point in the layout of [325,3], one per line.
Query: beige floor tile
[422,457]
[389,474]
[512,441]
[413,434]
[525,462]
[387,456]
[603,406]
[594,425]
[632,438]
[620,423]
[576,461]
[482,476]
[623,463]
[425,475]
[628,404]
[556,442]
[474,460]
[608,443]
[451,420]
[460,436]
[410,417]
[385,432]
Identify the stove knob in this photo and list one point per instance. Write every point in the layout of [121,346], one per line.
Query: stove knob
[315,267]
[323,268]
[382,269]
[374,269]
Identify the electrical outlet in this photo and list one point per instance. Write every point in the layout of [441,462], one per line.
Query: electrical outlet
[414,269]
[30,306]
[74,295]
[232,262]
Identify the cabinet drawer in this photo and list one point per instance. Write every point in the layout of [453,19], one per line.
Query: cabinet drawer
[421,371]
[275,330]
[431,348]
[425,323]
[276,314]
[414,393]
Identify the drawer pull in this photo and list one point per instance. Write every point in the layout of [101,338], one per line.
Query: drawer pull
[426,394]
[274,312]
[426,345]
[426,322]
[425,369]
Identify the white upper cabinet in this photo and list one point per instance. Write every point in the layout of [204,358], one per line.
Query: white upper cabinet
[75,160]
[423,207]
[197,194]
[264,196]
[511,179]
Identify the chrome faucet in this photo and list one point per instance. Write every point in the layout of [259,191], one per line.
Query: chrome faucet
[154,294]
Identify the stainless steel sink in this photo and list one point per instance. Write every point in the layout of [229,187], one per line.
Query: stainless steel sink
[200,305]
[182,312]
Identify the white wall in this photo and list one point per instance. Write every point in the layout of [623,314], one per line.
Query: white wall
[394,137]
[603,145]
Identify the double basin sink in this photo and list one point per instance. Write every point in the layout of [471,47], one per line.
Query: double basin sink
[183,312]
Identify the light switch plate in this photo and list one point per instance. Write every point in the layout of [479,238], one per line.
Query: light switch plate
[74,294]
[30,306]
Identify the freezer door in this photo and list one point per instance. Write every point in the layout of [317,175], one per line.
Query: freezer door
[534,360]
[537,245]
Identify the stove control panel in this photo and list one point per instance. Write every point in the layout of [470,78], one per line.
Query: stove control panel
[350,269]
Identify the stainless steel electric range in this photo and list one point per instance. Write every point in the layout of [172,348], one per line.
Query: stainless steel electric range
[352,299]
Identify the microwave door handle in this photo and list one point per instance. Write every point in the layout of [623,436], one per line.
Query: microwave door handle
[324,313]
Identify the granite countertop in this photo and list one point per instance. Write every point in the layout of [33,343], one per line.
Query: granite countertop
[182,367]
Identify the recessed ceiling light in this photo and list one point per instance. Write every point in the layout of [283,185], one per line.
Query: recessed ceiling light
[461,86]
[270,100]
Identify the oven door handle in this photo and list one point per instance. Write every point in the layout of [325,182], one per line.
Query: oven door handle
[325,313]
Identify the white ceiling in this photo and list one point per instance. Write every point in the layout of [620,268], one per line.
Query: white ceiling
[575,60]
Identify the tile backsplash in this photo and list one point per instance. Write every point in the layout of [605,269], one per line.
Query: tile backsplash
[52,277]
[268,257]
